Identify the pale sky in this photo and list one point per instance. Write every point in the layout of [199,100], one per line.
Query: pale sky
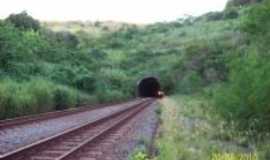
[134,11]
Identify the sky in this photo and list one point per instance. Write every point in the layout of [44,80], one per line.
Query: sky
[132,11]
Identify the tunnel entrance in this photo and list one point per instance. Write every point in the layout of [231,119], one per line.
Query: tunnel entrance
[148,87]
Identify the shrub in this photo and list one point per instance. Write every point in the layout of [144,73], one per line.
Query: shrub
[8,38]
[237,3]
[68,39]
[191,83]
[256,23]
[83,98]
[24,21]
[139,156]
[245,98]
[214,16]
[231,13]
[64,98]
[86,83]
[110,95]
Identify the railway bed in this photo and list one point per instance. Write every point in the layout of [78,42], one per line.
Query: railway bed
[50,115]
[72,142]
[17,136]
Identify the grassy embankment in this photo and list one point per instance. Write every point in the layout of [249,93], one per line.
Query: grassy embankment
[191,129]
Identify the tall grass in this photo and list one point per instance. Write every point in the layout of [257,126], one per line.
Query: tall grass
[37,96]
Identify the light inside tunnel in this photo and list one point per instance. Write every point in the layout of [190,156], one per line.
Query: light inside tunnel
[148,87]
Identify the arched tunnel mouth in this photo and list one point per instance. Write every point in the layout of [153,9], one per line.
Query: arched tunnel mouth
[148,87]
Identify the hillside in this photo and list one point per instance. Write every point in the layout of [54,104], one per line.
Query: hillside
[103,61]
[86,26]
[222,56]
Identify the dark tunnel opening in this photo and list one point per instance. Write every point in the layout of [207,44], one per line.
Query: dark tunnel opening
[148,87]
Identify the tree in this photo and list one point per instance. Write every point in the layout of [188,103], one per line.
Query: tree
[231,13]
[67,38]
[236,3]
[8,38]
[256,23]
[23,21]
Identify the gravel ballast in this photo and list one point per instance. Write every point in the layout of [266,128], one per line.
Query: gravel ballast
[18,136]
[140,133]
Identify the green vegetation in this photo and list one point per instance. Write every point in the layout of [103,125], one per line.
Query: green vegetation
[23,21]
[47,66]
[103,62]
[139,156]
[36,96]
[43,70]
[192,130]
[244,98]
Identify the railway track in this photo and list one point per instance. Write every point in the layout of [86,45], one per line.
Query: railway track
[50,115]
[73,142]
